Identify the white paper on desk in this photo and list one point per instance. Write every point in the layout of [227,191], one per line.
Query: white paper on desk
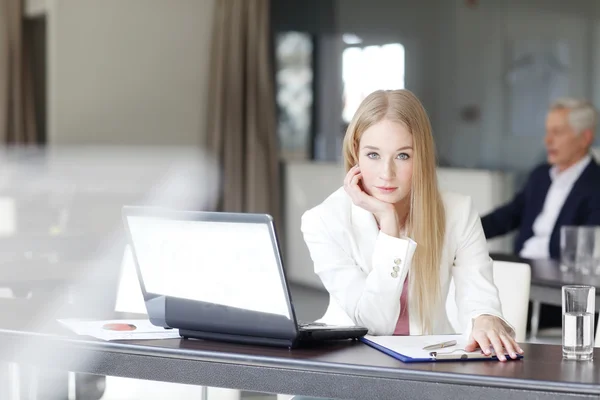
[144,329]
[412,346]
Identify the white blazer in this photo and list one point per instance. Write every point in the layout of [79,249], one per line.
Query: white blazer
[355,263]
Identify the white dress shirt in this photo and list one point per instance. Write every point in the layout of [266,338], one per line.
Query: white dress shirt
[363,269]
[538,246]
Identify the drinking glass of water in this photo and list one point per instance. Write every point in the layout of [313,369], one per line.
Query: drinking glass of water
[588,249]
[578,303]
[568,248]
[580,249]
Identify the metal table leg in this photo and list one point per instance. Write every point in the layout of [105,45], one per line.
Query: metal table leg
[9,381]
[40,383]
[535,319]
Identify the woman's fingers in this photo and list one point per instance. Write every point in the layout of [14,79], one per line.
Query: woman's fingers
[510,345]
[484,343]
[359,197]
[471,345]
[351,173]
[355,180]
[501,343]
[519,349]
[497,344]
[492,332]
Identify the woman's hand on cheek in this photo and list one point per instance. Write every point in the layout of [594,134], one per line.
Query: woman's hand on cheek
[384,212]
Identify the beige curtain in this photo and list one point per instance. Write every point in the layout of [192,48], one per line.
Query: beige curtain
[17,116]
[242,115]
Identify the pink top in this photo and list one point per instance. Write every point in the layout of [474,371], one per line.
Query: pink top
[402,326]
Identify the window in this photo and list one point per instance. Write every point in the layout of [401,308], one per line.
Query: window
[370,68]
[294,80]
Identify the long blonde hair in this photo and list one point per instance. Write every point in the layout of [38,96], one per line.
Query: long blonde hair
[426,220]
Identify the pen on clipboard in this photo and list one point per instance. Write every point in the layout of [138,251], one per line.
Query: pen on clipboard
[440,345]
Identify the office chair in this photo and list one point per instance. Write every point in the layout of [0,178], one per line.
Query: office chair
[513,281]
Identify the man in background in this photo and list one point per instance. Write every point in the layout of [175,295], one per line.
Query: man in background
[565,191]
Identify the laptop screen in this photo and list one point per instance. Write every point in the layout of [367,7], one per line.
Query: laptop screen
[226,263]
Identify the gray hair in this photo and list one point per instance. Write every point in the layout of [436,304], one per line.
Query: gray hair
[582,114]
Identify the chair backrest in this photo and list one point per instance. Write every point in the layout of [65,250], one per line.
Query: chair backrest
[596,153]
[513,281]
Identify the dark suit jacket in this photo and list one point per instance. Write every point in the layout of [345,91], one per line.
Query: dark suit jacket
[582,207]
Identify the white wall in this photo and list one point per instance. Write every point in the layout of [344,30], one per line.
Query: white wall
[457,56]
[128,72]
[35,8]
[412,23]
[504,24]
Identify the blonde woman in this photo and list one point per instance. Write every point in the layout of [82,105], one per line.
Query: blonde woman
[387,243]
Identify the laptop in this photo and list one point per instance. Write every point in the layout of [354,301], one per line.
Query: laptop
[218,276]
